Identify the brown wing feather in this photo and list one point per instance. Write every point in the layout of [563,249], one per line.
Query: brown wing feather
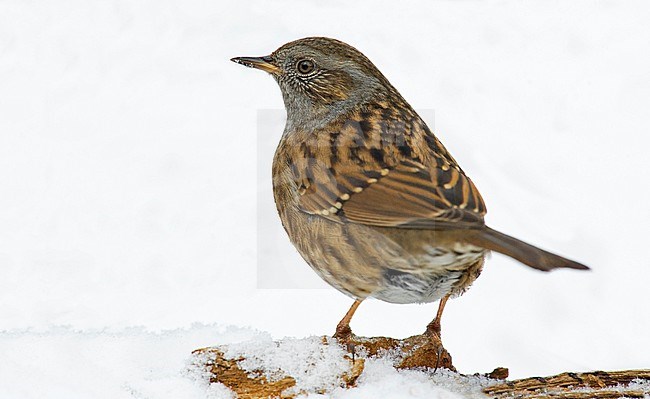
[383,169]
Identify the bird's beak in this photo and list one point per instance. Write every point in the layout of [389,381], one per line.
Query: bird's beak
[263,63]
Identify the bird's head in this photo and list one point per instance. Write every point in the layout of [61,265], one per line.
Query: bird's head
[321,78]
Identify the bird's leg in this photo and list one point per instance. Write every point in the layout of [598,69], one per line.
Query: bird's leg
[343,331]
[434,327]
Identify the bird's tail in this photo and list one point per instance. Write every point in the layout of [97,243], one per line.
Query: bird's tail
[525,253]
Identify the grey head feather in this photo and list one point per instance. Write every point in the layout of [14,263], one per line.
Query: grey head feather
[343,80]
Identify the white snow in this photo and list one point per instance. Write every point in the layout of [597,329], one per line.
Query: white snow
[131,363]
[127,213]
[135,363]
[316,367]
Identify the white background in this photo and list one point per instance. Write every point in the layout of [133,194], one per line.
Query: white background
[129,179]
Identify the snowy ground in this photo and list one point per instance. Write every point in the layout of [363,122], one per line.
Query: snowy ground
[127,210]
[134,363]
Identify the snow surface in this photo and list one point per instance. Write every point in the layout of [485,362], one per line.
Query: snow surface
[318,367]
[135,363]
[132,363]
[126,208]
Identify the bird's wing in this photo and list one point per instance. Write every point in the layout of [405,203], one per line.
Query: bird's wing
[387,173]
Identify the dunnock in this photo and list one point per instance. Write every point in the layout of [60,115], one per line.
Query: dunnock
[369,196]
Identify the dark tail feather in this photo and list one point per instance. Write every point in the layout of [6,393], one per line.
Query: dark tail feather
[524,253]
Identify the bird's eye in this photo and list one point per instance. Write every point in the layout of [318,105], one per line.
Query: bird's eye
[305,66]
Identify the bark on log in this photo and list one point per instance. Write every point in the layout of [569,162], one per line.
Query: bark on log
[228,372]
[596,384]
[426,354]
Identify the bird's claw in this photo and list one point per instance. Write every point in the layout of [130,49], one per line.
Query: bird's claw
[343,334]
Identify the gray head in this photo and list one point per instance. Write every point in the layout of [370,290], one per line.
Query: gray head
[321,79]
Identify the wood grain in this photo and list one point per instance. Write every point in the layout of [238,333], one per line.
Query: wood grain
[422,354]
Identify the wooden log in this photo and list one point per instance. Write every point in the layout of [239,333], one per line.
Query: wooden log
[427,355]
[414,352]
[247,386]
[596,384]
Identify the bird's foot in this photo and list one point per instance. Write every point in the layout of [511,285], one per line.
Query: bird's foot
[433,330]
[344,337]
[427,351]
[343,333]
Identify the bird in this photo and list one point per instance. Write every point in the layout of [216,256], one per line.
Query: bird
[367,193]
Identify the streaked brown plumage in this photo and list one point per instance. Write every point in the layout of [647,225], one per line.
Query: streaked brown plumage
[368,195]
